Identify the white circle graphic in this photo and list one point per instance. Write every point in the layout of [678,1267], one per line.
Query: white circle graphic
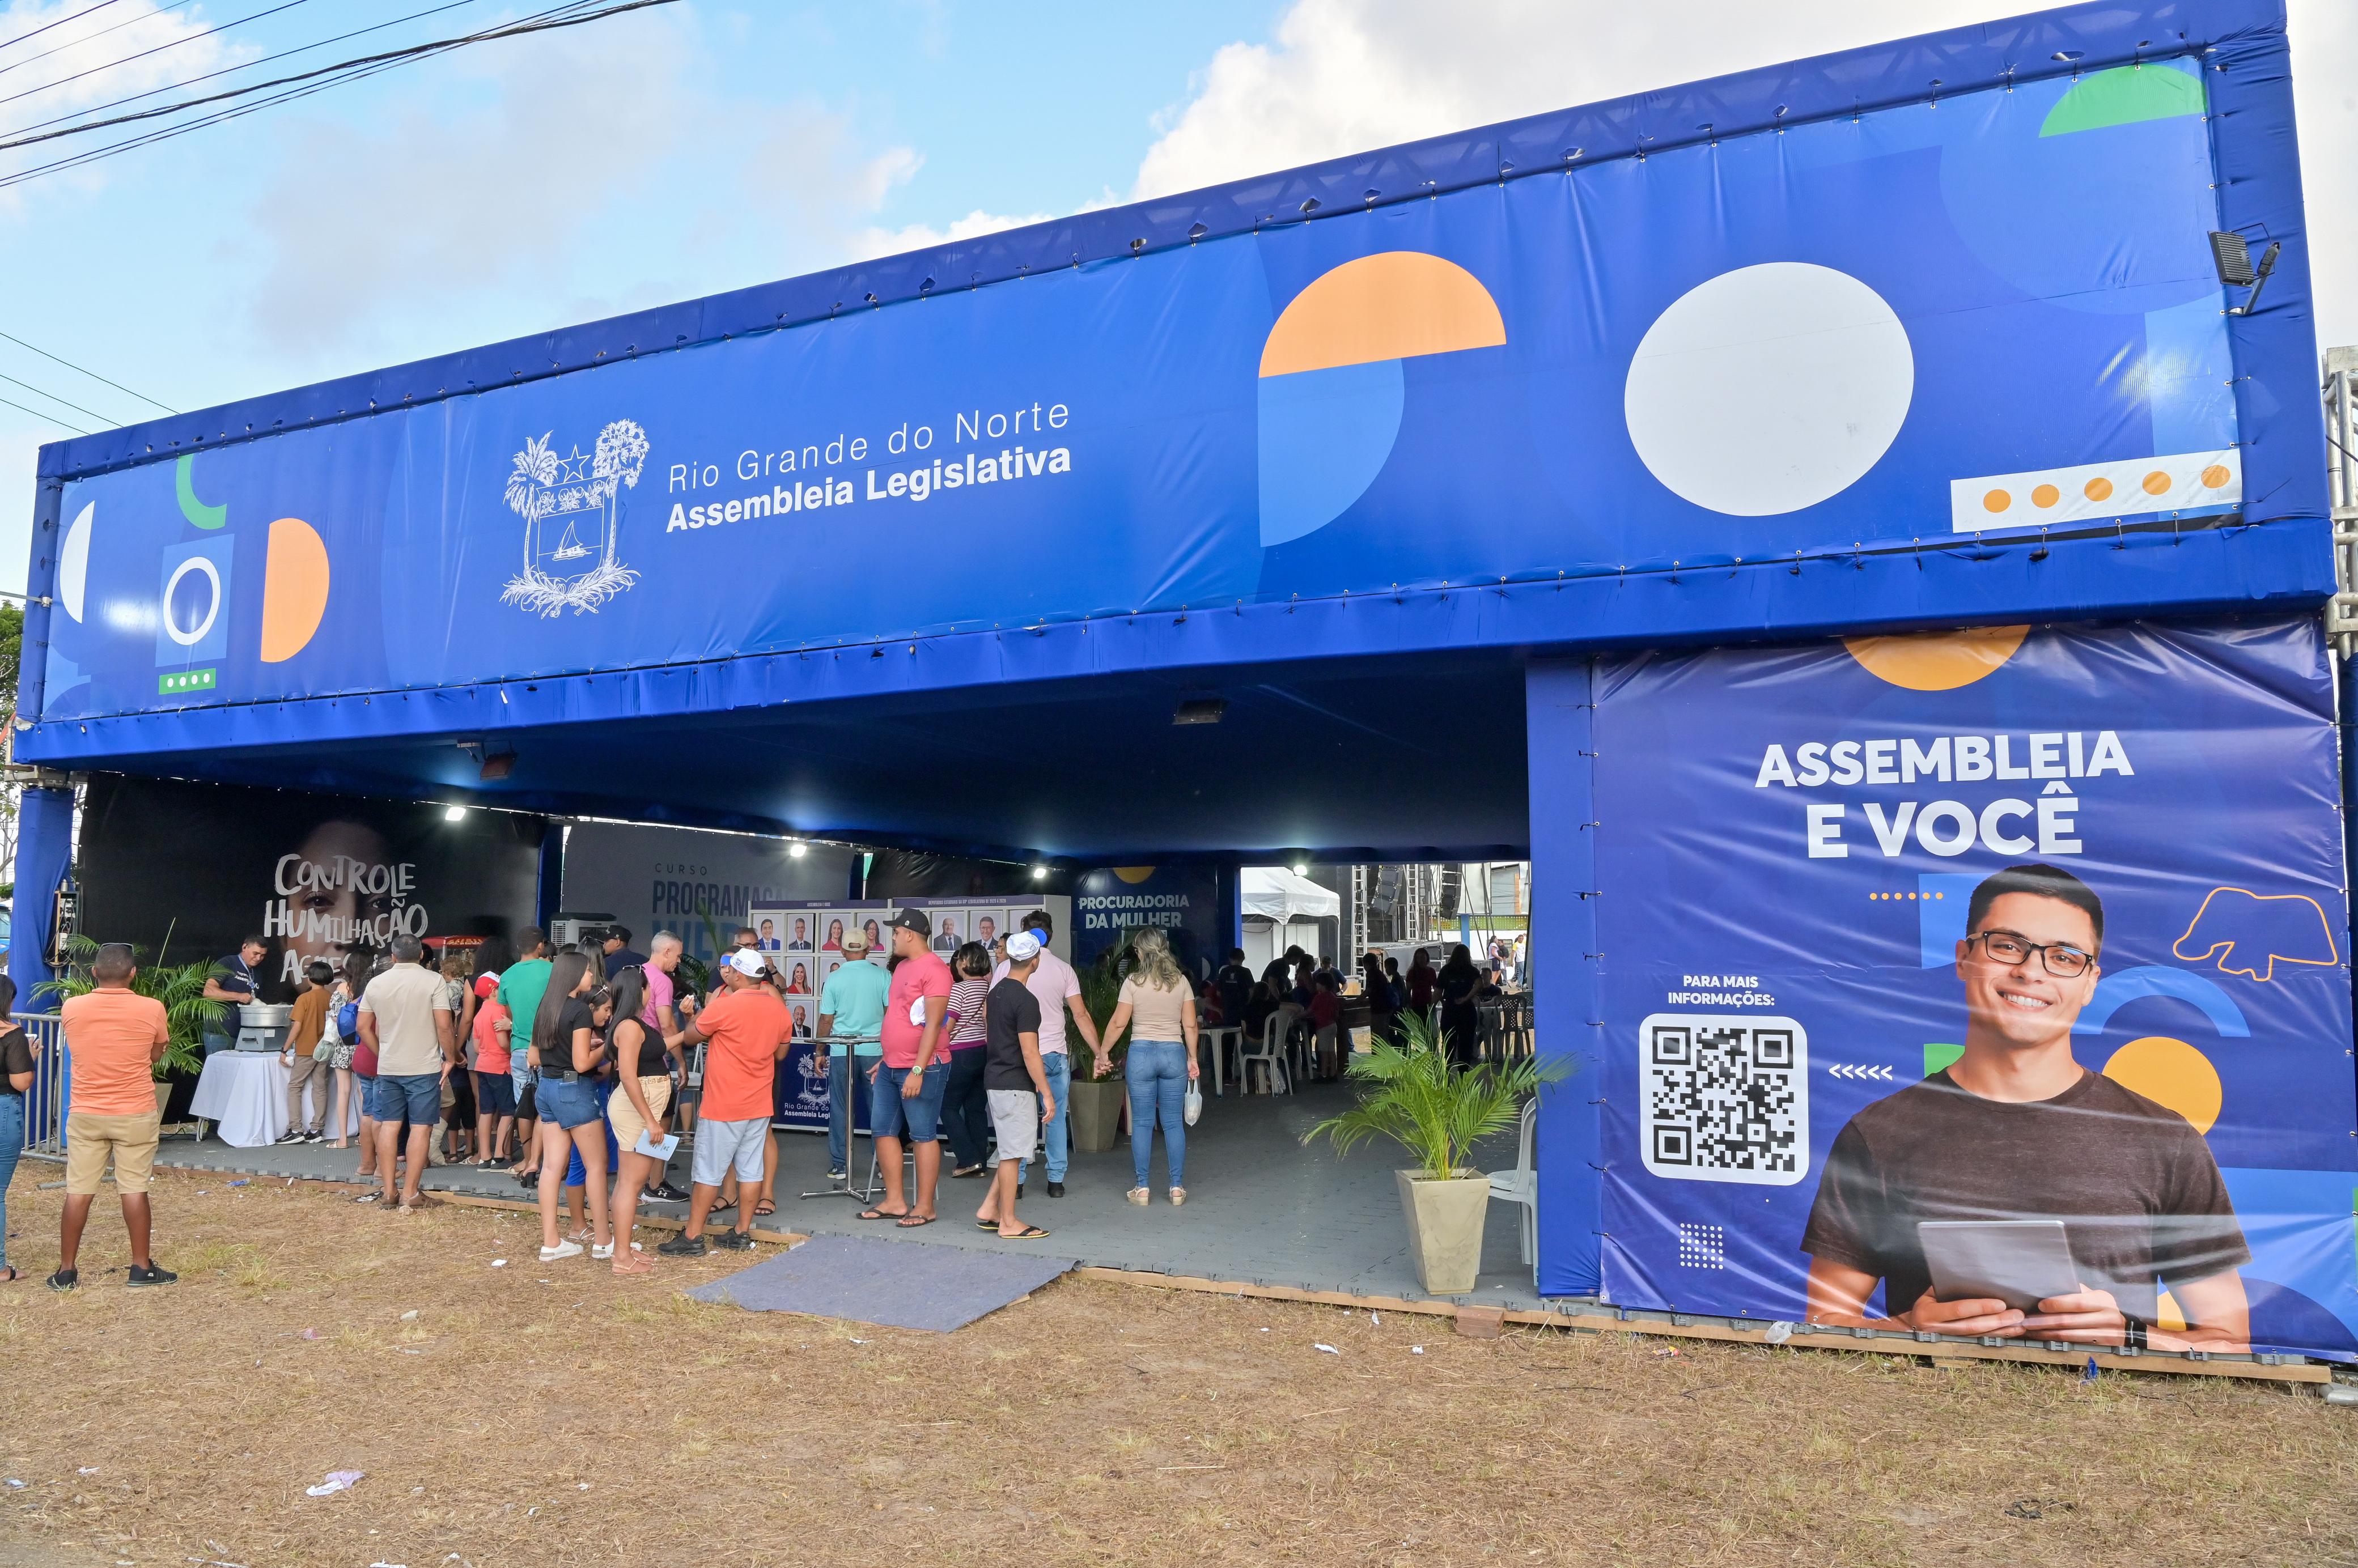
[172,627]
[1769,388]
[73,561]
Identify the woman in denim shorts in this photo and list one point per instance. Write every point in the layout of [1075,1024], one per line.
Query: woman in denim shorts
[567,1052]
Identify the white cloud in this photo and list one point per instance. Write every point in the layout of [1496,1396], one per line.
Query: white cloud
[873,242]
[63,67]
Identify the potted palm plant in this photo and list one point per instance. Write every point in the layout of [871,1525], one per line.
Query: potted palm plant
[179,987]
[1413,1096]
[1097,1103]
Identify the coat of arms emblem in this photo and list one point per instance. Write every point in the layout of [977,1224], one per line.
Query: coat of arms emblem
[572,510]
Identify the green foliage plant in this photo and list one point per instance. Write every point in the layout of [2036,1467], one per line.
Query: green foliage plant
[179,987]
[1411,1095]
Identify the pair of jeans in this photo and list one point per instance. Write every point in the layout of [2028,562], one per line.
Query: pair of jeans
[12,1144]
[840,1063]
[1157,1073]
[1057,1134]
[966,1114]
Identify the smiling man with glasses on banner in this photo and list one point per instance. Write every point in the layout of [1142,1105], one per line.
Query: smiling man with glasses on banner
[2015,1129]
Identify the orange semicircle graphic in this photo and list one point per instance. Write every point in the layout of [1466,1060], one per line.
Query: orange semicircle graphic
[293,589]
[1390,306]
[1133,875]
[2173,1073]
[1937,661]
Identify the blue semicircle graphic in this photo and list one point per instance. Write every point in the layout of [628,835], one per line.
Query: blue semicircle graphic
[1325,435]
[2117,991]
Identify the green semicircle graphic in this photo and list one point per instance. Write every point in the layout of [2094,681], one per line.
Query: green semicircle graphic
[195,511]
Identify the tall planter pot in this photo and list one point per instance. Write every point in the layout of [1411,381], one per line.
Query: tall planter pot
[1096,1113]
[1444,1228]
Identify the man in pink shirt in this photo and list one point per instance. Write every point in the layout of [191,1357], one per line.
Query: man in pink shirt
[906,1085]
[662,1014]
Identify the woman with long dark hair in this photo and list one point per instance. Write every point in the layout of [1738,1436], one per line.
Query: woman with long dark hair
[642,1096]
[1461,1025]
[965,1111]
[565,1057]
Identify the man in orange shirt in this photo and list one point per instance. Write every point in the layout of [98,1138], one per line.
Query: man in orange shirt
[114,1037]
[751,1031]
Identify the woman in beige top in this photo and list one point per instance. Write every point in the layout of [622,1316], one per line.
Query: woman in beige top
[1158,1006]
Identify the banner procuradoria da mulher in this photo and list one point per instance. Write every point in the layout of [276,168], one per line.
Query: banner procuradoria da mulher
[2004,967]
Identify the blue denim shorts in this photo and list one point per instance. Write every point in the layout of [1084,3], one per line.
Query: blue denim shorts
[569,1105]
[415,1098]
[890,1116]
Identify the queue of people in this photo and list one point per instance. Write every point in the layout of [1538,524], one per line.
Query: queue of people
[569,1070]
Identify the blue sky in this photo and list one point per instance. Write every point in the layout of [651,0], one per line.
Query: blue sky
[711,144]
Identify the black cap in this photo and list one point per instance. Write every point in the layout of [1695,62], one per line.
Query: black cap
[913,920]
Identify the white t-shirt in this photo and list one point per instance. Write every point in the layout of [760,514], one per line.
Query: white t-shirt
[404,1000]
[1052,981]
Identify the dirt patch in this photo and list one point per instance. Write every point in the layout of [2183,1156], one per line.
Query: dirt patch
[531,1417]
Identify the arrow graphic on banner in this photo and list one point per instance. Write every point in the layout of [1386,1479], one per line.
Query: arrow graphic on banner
[1859,1070]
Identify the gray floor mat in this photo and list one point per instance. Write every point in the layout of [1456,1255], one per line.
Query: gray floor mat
[887,1282]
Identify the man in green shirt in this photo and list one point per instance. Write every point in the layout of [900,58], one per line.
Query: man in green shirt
[850,1009]
[521,985]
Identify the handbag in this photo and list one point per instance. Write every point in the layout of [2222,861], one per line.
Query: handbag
[1194,1106]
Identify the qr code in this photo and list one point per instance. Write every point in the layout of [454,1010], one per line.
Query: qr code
[1726,1097]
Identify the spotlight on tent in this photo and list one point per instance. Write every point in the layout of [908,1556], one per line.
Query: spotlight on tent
[454,814]
[798,849]
[1297,861]
[2233,256]
[1039,873]
[1201,711]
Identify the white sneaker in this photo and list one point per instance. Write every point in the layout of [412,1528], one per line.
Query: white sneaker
[603,1254]
[561,1251]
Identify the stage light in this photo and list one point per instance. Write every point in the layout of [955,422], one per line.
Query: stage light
[1201,711]
[2233,257]
[454,814]
[1039,873]
[1297,861]
[798,849]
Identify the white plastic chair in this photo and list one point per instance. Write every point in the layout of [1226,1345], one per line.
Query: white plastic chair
[1266,1053]
[1521,1185]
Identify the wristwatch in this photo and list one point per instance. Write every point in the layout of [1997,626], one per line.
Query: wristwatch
[2132,1333]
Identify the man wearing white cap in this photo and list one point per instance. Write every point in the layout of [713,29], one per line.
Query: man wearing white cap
[750,1033]
[1015,1084]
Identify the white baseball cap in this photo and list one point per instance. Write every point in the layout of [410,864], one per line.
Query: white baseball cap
[749,963]
[1023,947]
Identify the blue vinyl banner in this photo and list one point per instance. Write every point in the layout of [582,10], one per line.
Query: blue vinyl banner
[1948,976]
[1987,313]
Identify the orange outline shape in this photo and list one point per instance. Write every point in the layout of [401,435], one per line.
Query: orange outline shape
[2269,973]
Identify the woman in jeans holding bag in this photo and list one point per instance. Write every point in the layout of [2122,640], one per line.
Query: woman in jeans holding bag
[1159,1006]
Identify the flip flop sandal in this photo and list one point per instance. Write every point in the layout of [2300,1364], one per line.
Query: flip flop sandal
[916,1222]
[766,1207]
[989,1225]
[719,1207]
[879,1214]
[1029,1233]
[9,1276]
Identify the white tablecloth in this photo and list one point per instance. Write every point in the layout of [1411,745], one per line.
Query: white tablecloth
[245,1094]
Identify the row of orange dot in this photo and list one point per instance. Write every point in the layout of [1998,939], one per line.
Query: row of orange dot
[1903,895]
[2101,489]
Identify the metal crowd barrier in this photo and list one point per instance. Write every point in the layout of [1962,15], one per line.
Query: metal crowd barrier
[45,1102]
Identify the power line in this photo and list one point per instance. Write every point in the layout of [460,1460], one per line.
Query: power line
[40,392]
[567,16]
[44,419]
[75,43]
[241,65]
[61,22]
[160,49]
[91,374]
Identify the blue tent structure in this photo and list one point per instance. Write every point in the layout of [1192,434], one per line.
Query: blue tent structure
[927,551]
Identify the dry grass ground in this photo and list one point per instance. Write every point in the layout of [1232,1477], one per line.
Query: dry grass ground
[546,1416]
